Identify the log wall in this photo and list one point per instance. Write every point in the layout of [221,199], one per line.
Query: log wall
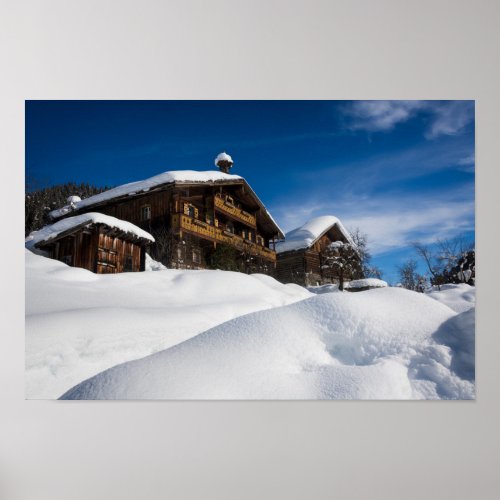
[97,252]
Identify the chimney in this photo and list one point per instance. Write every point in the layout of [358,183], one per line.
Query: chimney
[224,162]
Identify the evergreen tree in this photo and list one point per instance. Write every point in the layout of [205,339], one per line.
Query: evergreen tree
[39,202]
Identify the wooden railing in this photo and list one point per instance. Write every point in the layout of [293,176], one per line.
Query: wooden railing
[181,222]
[233,211]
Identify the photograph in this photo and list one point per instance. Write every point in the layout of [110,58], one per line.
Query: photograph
[250,249]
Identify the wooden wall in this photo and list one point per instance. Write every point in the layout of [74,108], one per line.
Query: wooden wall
[162,204]
[130,210]
[290,267]
[117,256]
[98,252]
[304,266]
[77,250]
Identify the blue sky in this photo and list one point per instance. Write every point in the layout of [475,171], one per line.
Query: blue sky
[399,170]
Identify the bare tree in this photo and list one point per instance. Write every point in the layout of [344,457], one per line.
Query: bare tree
[410,278]
[442,257]
[429,257]
[361,241]
[164,249]
[450,251]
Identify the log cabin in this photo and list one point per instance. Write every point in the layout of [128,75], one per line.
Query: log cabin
[199,219]
[94,241]
[302,255]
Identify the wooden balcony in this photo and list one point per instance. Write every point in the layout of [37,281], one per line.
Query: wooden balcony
[231,210]
[185,223]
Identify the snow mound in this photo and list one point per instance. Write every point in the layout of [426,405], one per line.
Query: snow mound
[386,343]
[153,265]
[305,236]
[79,323]
[319,289]
[460,297]
[53,230]
[367,282]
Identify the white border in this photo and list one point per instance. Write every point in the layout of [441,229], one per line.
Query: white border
[273,49]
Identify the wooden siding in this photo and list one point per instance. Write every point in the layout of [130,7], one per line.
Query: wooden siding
[97,251]
[208,214]
[131,210]
[290,268]
[304,266]
[117,256]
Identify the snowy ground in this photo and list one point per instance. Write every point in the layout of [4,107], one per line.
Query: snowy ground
[460,298]
[219,335]
[79,323]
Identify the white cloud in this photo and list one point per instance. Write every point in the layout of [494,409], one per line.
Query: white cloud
[391,223]
[468,160]
[382,115]
[451,118]
[446,117]
[389,230]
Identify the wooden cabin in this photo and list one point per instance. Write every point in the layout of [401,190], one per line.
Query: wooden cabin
[302,256]
[198,219]
[96,242]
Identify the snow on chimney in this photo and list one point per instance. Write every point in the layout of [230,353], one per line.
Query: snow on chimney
[224,162]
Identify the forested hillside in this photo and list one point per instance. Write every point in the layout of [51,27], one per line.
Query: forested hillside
[39,202]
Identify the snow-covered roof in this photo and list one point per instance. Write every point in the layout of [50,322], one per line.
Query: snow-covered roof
[132,188]
[306,235]
[54,230]
[222,157]
[171,177]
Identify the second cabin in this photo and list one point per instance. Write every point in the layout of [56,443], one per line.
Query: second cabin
[311,255]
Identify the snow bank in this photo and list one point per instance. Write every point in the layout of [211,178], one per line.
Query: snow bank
[460,297]
[79,323]
[53,230]
[306,235]
[153,265]
[319,289]
[363,283]
[366,282]
[147,184]
[386,343]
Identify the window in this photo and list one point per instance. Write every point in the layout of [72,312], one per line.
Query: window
[146,212]
[191,210]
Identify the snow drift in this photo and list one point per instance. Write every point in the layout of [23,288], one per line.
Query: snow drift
[460,298]
[386,343]
[79,323]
